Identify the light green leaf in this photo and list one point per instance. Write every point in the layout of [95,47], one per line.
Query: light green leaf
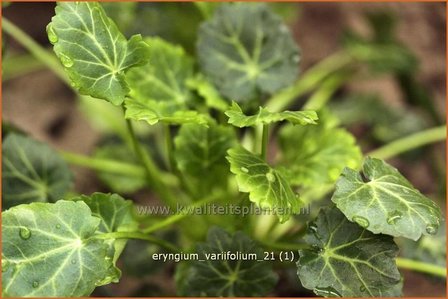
[383,201]
[116,215]
[246,50]
[266,186]
[207,91]
[316,155]
[94,52]
[32,171]
[347,260]
[200,155]
[159,90]
[228,278]
[48,251]
[264,116]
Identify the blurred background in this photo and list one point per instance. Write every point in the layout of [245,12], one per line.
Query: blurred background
[399,89]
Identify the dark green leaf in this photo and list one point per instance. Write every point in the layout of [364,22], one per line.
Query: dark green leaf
[32,171]
[383,201]
[316,155]
[158,89]
[347,260]
[48,251]
[243,277]
[246,51]
[200,155]
[264,116]
[94,52]
[265,185]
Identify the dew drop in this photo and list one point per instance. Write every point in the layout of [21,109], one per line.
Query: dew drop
[5,265]
[393,217]
[295,58]
[73,262]
[66,61]
[35,284]
[326,292]
[270,177]
[244,169]
[432,229]
[363,222]
[312,227]
[52,37]
[58,226]
[24,233]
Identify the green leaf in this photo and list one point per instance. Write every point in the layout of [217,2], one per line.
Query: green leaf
[94,52]
[32,171]
[316,155]
[246,50]
[158,89]
[48,251]
[116,215]
[228,278]
[123,14]
[347,260]
[207,91]
[383,201]
[200,154]
[266,186]
[264,116]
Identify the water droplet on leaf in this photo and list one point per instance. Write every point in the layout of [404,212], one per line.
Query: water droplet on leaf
[52,37]
[432,229]
[270,177]
[363,222]
[312,227]
[5,265]
[393,217]
[66,61]
[24,233]
[35,284]
[327,292]
[58,226]
[244,169]
[295,58]
[73,262]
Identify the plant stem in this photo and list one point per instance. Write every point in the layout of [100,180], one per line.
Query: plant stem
[138,236]
[35,49]
[114,167]
[152,172]
[421,267]
[19,65]
[410,142]
[177,217]
[309,80]
[169,147]
[265,141]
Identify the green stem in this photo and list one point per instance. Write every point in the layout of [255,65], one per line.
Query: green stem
[328,87]
[421,267]
[265,141]
[177,217]
[152,172]
[19,65]
[410,142]
[113,167]
[309,80]
[138,236]
[35,49]
[169,147]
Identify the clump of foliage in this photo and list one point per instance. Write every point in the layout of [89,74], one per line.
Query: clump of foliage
[217,112]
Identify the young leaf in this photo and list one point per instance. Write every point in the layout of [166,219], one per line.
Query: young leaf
[116,215]
[316,155]
[383,201]
[48,251]
[266,186]
[32,171]
[200,155]
[94,52]
[347,260]
[206,90]
[264,116]
[246,50]
[244,277]
[158,89]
